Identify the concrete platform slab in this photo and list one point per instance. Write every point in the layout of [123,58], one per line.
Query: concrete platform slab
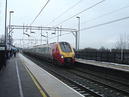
[53,86]
[121,67]
[16,82]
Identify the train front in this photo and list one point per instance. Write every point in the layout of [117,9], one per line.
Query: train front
[66,53]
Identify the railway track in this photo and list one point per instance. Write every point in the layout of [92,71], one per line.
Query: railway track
[103,78]
[120,77]
[84,90]
[81,83]
[106,87]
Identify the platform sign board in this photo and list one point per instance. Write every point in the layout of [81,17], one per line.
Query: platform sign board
[2,48]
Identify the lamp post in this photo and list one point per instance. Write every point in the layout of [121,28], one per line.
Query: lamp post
[10,12]
[47,37]
[78,33]
[10,34]
[5,25]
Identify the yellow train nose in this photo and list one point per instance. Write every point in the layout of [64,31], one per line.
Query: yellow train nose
[68,55]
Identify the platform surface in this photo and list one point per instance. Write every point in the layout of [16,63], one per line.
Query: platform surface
[16,82]
[53,86]
[23,78]
[122,67]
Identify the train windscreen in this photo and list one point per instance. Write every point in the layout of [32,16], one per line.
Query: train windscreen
[65,47]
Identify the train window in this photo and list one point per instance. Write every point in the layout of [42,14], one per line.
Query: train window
[46,50]
[65,47]
[40,50]
[43,50]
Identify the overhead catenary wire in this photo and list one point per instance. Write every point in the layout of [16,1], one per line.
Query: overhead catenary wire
[81,12]
[71,7]
[98,25]
[106,23]
[40,12]
[105,14]
[76,15]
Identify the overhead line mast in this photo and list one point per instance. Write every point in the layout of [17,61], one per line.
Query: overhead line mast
[5,25]
[46,28]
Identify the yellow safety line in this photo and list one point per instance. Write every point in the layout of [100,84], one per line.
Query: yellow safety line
[36,82]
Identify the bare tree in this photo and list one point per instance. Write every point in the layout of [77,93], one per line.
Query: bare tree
[123,42]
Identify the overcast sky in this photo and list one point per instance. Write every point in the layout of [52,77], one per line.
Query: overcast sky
[26,10]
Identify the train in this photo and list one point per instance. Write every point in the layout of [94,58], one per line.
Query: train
[59,53]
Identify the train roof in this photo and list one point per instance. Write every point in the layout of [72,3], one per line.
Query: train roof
[47,45]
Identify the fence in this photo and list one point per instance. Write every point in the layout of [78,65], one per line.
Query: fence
[115,56]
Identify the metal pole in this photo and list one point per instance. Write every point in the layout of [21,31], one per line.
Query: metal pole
[78,34]
[5,25]
[41,35]
[23,36]
[57,34]
[10,34]
[47,37]
[9,21]
[60,29]
[76,40]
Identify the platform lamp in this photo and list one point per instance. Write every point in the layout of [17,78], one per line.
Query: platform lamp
[5,26]
[10,12]
[78,34]
[10,34]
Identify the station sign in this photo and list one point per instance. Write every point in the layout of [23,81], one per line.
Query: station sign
[2,48]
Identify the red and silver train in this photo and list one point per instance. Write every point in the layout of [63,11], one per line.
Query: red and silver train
[60,53]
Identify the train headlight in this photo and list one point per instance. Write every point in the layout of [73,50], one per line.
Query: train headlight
[62,56]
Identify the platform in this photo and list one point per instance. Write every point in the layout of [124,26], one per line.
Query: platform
[16,82]
[121,67]
[23,78]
